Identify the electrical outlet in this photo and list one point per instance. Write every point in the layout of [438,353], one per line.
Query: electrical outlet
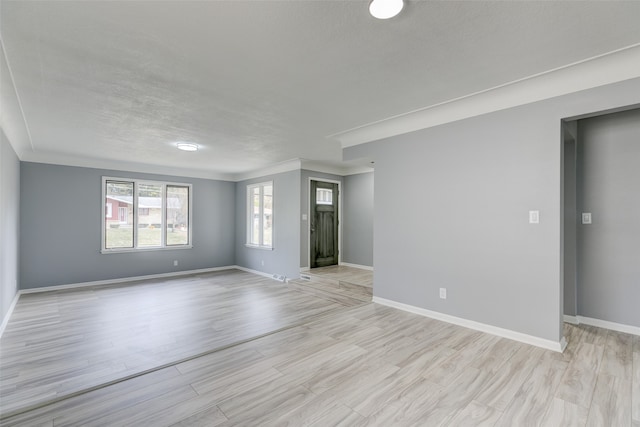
[262,262]
[175,262]
[443,293]
[534,217]
[586,217]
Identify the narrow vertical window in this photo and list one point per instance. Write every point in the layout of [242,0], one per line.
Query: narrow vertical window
[177,215]
[118,215]
[260,215]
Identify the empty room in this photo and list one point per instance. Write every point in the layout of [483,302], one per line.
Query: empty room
[319,213]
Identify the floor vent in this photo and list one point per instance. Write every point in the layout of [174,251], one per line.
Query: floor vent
[280,277]
[305,277]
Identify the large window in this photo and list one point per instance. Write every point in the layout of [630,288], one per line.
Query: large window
[142,215]
[260,215]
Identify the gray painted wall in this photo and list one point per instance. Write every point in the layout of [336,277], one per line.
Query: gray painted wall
[61,224]
[304,209]
[358,219]
[608,187]
[451,210]
[570,219]
[283,259]
[9,223]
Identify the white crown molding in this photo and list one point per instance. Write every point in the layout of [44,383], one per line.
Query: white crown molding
[68,160]
[94,163]
[286,166]
[13,121]
[482,327]
[299,164]
[341,170]
[612,67]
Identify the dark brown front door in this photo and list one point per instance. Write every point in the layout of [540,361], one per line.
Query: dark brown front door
[324,223]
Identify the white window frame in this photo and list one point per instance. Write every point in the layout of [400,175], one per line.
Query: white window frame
[249,216]
[136,183]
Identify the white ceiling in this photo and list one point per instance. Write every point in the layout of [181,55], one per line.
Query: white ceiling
[257,83]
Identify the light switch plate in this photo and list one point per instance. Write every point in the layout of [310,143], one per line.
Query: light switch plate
[534,217]
[586,217]
[304,217]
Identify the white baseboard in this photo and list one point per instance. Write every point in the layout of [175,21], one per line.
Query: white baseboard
[482,327]
[259,273]
[126,279]
[5,320]
[619,327]
[571,319]
[362,267]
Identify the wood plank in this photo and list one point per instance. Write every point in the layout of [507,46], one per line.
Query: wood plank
[579,380]
[563,413]
[617,360]
[475,414]
[611,402]
[535,396]
[331,365]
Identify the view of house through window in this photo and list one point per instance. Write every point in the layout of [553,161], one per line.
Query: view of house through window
[145,214]
[260,215]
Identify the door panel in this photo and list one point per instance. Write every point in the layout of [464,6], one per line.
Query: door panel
[324,224]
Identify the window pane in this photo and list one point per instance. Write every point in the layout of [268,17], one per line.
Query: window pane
[177,215]
[149,226]
[267,221]
[255,216]
[324,196]
[118,215]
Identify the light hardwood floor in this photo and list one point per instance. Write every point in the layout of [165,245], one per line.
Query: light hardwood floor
[364,365]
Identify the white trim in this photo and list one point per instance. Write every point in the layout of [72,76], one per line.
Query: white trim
[494,330]
[361,267]
[259,273]
[341,170]
[262,248]
[619,327]
[571,319]
[286,166]
[612,67]
[5,320]
[340,222]
[125,279]
[18,99]
[122,166]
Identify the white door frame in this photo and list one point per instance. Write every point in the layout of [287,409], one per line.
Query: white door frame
[332,181]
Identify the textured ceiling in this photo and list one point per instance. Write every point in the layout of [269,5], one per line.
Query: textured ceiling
[256,83]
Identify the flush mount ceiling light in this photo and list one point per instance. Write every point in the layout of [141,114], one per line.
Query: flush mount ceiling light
[187,146]
[385,9]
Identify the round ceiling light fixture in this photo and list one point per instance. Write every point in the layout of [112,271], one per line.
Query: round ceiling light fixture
[385,9]
[187,146]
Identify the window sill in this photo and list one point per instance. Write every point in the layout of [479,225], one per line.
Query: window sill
[264,248]
[131,250]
